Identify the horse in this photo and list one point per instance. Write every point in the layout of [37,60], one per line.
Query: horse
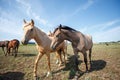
[80,42]
[63,49]
[4,44]
[43,42]
[14,45]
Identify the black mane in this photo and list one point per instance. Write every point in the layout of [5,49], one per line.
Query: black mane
[66,28]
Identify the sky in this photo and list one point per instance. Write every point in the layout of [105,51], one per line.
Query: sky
[99,18]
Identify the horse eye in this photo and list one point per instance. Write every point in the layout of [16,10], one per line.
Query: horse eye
[58,36]
[31,30]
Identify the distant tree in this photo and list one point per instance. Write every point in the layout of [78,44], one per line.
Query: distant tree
[107,44]
[118,41]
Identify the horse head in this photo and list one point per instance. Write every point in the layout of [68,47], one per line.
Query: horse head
[58,37]
[28,28]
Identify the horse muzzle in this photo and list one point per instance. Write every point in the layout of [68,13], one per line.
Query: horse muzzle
[52,47]
[24,42]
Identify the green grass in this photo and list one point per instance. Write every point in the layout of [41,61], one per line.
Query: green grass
[106,64]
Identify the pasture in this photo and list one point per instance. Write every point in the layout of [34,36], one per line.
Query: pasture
[105,64]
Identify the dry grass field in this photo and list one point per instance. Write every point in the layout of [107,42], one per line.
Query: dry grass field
[105,64]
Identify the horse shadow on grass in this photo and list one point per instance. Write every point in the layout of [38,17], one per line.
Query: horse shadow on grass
[27,54]
[95,66]
[12,76]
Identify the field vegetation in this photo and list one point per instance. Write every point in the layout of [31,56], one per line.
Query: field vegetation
[105,64]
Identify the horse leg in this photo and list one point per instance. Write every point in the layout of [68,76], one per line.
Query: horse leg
[90,55]
[57,56]
[12,51]
[76,62]
[8,51]
[3,51]
[36,64]
[60,57]
[85,60]
[15,53]
[64,56]
[49,67]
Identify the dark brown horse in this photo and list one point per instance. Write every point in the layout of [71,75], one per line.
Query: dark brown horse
[14,45]
[4,44]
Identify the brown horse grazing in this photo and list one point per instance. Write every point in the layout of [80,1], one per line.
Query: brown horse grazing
[80,42]
[14,45]
[43,42]
[63,49]
[4,44]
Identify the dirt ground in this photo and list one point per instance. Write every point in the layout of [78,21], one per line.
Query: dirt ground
[105,65]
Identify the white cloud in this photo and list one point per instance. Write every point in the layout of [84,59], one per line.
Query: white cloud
[31,13]
[108,31]
[85,6]
[26,5]
[10,28]
[105,25]
[108,35]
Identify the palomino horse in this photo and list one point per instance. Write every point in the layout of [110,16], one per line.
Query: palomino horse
[63,49]
[80,42]
[4,44]
[43,42]
[14,45]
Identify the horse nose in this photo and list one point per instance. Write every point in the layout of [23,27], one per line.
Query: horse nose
[52,47]
[24,42]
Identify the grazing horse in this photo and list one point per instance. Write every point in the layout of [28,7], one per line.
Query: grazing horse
[43,42]
[14,45]
[63,49]
[80,42]
[4,44]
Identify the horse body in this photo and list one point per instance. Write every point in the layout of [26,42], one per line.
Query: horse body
[14,45]
[4,44]
[80,42]
[84,41]
[43,42]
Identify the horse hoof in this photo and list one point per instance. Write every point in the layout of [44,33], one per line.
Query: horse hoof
[36,78]
[57,62]
[87,71]
[49,74]
[60,65]
[76,78]
[15,55]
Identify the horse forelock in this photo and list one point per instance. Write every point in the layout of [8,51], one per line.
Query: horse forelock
[55,30]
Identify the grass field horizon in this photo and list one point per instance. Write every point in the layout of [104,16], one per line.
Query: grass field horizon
[105,64]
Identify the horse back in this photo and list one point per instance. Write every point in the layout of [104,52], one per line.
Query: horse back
[14,43]
[4,43]
[88,42]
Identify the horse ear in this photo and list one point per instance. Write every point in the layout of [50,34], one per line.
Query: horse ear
[60,27]
[24,21]
[50,32]
[32,21]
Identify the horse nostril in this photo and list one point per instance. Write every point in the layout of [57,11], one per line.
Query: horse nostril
[52,47]
[24,42]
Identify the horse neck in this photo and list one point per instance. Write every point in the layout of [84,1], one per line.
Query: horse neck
[70,36]
[40,37]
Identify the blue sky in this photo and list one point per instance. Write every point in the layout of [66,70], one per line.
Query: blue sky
[99,18]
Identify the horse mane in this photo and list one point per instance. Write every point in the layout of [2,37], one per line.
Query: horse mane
[66,28]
